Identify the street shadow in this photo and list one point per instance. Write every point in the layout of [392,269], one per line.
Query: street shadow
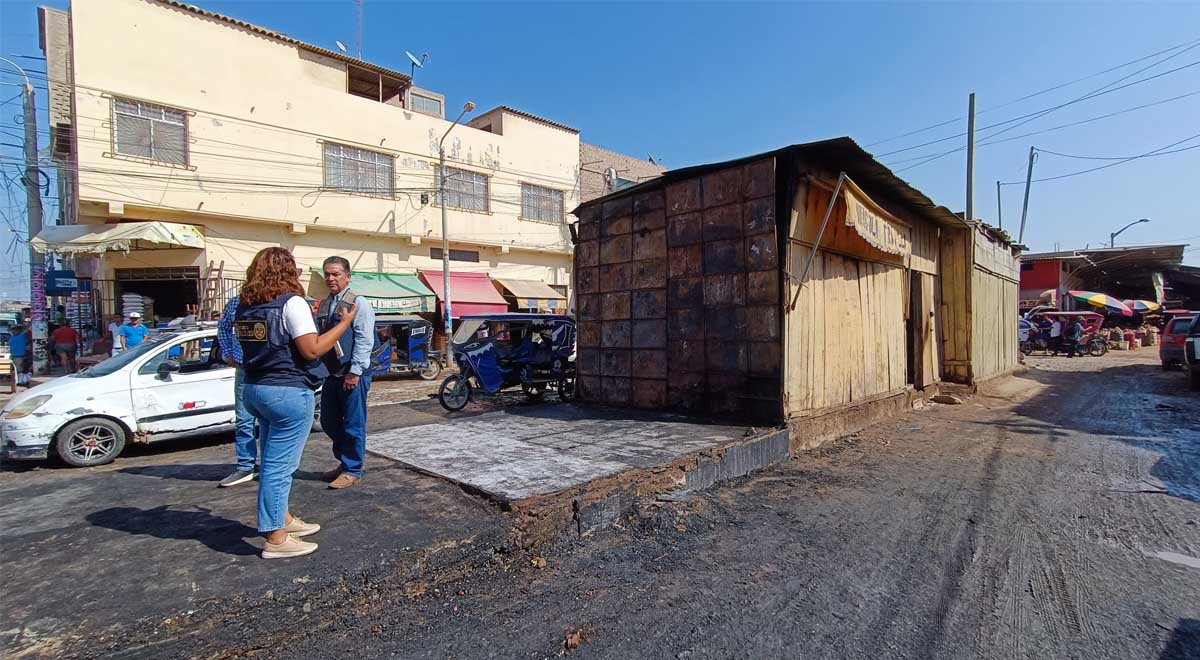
[1184,642]
[183,472]
[219,534]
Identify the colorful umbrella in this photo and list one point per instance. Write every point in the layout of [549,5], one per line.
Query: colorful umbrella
[1143,306]
[1102,301]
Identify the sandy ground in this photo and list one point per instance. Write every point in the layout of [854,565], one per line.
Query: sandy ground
[1055,515]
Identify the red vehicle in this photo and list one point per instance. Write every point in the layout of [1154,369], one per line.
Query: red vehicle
[1174,336]
[1092,343]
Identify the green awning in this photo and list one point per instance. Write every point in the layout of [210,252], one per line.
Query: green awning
[393,292]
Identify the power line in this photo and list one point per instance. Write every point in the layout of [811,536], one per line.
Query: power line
[1161,151]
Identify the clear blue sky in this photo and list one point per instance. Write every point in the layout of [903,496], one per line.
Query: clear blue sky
[695,83]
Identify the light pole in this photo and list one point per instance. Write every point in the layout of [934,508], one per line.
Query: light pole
[467,107]
[1112,238]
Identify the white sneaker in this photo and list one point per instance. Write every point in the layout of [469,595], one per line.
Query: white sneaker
[292,547]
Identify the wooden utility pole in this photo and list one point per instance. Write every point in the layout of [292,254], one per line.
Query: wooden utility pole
[37,266]
[999,207]
[1025,204]
[971,158]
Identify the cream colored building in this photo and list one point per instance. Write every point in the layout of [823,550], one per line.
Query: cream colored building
[174,114]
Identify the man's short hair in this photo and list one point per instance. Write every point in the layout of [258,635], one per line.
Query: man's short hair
[341,261]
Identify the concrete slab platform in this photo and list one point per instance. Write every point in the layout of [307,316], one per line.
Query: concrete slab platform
[533,451]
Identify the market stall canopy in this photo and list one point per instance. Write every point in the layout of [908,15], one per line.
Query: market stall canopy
[393,292]
[470,293]
[1142,306]
[532,294]
[74,239]
[1101,300]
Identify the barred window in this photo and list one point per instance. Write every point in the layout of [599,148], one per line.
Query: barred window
[541,204]
[154,132]
[466,190]
[358,170]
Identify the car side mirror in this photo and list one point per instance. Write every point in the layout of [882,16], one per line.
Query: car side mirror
[166,368]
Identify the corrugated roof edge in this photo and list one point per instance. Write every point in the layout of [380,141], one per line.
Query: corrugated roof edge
[530,116]
[341,57]
[857,162]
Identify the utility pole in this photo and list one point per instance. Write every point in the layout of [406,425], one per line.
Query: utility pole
[1025,204]
[37,267]
[999,207]
[971,158]
[467,107]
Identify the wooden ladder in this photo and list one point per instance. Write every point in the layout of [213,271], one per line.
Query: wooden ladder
[214,278]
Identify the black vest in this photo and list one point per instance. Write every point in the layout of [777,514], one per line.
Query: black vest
[337,361]
[269,356]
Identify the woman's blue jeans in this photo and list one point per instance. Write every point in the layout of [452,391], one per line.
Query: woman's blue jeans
[284,415]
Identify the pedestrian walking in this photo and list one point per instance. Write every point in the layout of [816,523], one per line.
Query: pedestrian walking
[18,350]
[1056,330]
[280,350]
[66,342]
[344,395]
[245,435]
[133,332]
[1074,335]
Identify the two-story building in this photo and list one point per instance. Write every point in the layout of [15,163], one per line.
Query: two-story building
[188,141]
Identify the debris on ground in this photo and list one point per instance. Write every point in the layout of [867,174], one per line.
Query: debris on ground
[538,562]
[574,640]
[947,398]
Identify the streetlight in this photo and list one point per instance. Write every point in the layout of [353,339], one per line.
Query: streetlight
[1112,238]
[467,107]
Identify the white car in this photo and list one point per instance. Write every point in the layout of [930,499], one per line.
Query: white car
[170,386]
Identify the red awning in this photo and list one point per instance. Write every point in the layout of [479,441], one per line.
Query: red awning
[470,293]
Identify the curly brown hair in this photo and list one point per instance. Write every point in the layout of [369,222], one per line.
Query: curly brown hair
[271,273]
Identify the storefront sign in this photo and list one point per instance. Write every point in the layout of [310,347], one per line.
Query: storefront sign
[412,304]
[874,224]
[60,282]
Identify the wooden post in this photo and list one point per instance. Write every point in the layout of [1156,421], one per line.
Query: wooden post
[971,158]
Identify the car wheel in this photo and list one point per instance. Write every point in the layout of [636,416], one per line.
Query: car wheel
[455,392]
[90,442]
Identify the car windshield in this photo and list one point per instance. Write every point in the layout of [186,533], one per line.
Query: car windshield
[120,360]
[1179,326]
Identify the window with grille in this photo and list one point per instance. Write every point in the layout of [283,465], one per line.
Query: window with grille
[541,204]
[154,132]
[426,105]
[358,170]
[455,255]
[466,190]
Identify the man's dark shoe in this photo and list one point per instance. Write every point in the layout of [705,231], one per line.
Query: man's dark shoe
[238,477]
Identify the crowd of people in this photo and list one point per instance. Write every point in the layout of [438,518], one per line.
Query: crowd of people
[1056,337]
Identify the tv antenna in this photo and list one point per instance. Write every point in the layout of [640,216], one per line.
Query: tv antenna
[416,63]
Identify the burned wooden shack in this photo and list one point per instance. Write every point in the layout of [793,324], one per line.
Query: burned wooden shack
[700,291]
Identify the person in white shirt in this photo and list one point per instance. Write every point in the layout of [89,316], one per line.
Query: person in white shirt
[114,333]
[1056,335]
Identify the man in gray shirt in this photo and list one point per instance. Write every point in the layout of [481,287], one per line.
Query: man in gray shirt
[344,394]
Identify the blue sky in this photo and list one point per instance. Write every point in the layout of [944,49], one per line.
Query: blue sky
[693,83]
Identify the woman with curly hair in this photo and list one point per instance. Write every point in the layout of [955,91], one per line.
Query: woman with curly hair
[281,351]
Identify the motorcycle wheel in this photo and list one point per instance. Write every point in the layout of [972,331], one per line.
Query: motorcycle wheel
[1097,348]
[1027,347]
[455,392]
[432,370]
[533,392]
[566,389]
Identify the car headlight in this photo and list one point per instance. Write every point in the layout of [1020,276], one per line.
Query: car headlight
[26,407]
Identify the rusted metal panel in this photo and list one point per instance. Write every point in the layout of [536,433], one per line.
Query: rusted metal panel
[650,220]
[590,231]
[683,197]
[615,362]
[587,307]
[765,358]
[684,229]
[648,393]
[758,216]
[724,323]
[762,252]
[587,363]
[615,334]
[721,187]
[616,208]
[758,178]
[650,333]
[589,388]
[587,254]
[649,304]
[652,200]
[685,261]
[724,257]
[725,356]
[650,363]
[727,289]
[650,244]
[722,222]
[617,391]
[618,226]
[685,323]
[588,334]
[762,322]
[649,274]
[616,249]
[613,277]
[762,287]
[685,391]
[587,280]
[685,355]
[685,292]
[615,306]
[723,393]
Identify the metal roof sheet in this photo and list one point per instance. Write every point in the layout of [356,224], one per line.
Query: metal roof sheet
[530,116]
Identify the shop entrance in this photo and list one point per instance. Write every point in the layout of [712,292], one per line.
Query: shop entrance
[173,291]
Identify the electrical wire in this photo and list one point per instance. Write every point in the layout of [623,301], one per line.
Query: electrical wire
[1148,154]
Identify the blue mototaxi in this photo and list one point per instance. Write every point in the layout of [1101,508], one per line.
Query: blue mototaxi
[404,346]
[498,351]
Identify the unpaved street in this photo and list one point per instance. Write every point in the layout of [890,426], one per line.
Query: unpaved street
[1054,515]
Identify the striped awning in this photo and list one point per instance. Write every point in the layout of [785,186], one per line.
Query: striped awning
[530,294]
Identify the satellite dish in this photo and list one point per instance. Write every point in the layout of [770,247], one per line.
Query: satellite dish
[416,62]
[341,46]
